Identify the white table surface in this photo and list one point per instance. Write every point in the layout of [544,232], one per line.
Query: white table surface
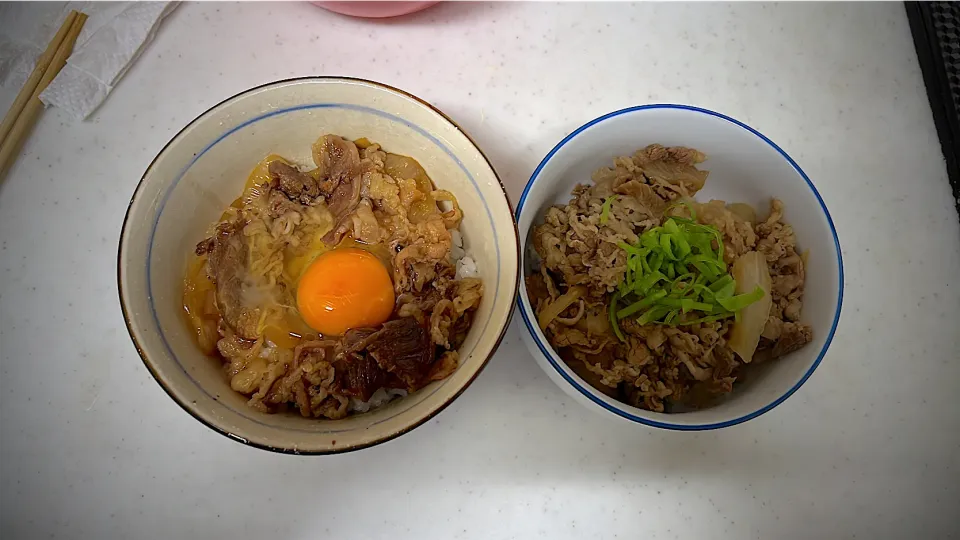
[868,448]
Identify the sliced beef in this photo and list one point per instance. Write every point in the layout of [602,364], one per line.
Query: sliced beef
[403,347]
[579,242]
[446,306]
[226,265]
[353,345]
[628,393]
[233,348]
[415,267]
[580,368]
[340,229]
[360,223]
[444,366]
[338,161]
[674,166]
[648,199]
[339,168]
[278,204]
[447,326]
[792,337]
[398,355]
[537,288]
[338,164]
[738,234]
[296,185]
[783,333]
[460,329]
[357,339]
[204,246]
[359,376]
[345,197]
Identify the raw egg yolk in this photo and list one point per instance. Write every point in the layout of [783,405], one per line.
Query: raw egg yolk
[345,288]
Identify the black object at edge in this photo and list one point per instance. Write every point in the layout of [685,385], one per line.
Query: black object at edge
[932,61]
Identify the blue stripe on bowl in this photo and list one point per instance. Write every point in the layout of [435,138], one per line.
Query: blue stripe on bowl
[555,361]
[224,135]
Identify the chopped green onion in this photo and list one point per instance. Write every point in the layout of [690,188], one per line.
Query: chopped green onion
[605,209]
[629,249]
[643,285]
[705,269]
[637,306]
[676,275]
[657,262]
[740,301]
[650,242]
[651,315]
[685,304]
[683,247]
[614,321]
[671,227]
[721,283]
[666,244]
[726,291]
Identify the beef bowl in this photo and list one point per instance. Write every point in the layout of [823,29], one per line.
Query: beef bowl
[318,265]
[680,269]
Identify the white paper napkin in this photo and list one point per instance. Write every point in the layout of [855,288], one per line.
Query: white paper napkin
[113,37]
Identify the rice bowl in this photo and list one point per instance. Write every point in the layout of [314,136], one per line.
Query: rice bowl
[744,166]
[199,173]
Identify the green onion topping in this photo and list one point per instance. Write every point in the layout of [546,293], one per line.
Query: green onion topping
[676,276]
[605,209]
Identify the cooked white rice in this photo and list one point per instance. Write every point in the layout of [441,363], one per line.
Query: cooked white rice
[456,250]
[381,397]
[466,266]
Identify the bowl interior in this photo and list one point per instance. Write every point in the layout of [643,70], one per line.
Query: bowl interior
[204,168]
[744,167]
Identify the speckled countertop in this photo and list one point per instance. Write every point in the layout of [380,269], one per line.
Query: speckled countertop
[868,448]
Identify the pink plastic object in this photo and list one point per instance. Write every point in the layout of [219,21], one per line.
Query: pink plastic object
[374,10]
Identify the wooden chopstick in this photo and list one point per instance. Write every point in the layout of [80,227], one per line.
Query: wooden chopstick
[32,106]
[28,87]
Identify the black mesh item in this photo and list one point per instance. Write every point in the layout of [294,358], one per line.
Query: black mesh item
[936,36]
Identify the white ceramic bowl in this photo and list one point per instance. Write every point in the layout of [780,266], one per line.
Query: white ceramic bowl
[744,166]
[204,167]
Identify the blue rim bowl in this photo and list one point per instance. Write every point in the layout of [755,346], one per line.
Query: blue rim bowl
[581,389]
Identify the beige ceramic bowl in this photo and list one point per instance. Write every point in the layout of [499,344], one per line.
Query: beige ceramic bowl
[203,169]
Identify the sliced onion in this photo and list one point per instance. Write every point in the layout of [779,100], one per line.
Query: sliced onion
[571,321]
[595,323]
[750,271]
[743,211]
[555,308]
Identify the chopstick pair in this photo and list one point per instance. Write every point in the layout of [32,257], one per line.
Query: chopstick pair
[23,114]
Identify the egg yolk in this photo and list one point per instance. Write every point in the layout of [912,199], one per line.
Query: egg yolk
[345,288]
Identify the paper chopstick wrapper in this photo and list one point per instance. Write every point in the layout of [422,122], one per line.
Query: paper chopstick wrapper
[113,38]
